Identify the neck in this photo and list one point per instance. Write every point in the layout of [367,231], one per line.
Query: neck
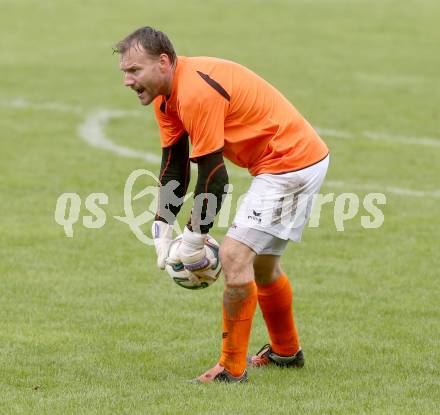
[169,83]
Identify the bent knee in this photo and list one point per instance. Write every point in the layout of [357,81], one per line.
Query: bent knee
[231,257]
[226,255]
[236,259]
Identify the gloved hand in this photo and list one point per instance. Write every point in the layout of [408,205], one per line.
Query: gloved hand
[163,236]
[192,251]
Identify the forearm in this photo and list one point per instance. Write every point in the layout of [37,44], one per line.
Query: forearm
[209,192]
[174,179]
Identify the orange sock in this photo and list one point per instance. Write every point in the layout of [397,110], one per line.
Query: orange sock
[239,304]
[275,301]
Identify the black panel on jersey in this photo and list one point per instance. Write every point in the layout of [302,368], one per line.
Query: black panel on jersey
[215,85]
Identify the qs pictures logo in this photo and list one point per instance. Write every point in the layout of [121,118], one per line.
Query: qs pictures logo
[293,210]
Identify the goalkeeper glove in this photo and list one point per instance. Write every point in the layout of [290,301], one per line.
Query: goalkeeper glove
[192,251]
[163,236]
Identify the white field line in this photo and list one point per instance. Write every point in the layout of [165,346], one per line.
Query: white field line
[348,187]
[380,136]
[91,130]
[326,132]
[20,103]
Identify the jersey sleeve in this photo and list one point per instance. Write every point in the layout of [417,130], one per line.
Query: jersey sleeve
[170,127]
[203,118]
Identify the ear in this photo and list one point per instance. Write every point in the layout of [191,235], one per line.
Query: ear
[164,62]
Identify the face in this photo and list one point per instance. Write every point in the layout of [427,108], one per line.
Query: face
[149,76]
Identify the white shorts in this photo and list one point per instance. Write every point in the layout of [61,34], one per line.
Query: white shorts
[276,208]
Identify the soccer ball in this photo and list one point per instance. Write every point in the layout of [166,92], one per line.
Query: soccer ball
[187,279]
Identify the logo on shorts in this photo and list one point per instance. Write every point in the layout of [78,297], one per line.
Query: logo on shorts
[256,216]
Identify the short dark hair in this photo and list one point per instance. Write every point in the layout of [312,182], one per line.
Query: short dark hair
[153,41]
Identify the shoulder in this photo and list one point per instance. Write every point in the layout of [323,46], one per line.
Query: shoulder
[202,81]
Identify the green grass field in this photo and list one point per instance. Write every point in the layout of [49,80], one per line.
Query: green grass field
[88,325]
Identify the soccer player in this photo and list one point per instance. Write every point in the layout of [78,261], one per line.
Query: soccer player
[225,110]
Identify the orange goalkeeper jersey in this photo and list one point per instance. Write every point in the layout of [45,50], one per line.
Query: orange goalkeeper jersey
[223,105]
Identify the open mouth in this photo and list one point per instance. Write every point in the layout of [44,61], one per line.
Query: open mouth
[139,91]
